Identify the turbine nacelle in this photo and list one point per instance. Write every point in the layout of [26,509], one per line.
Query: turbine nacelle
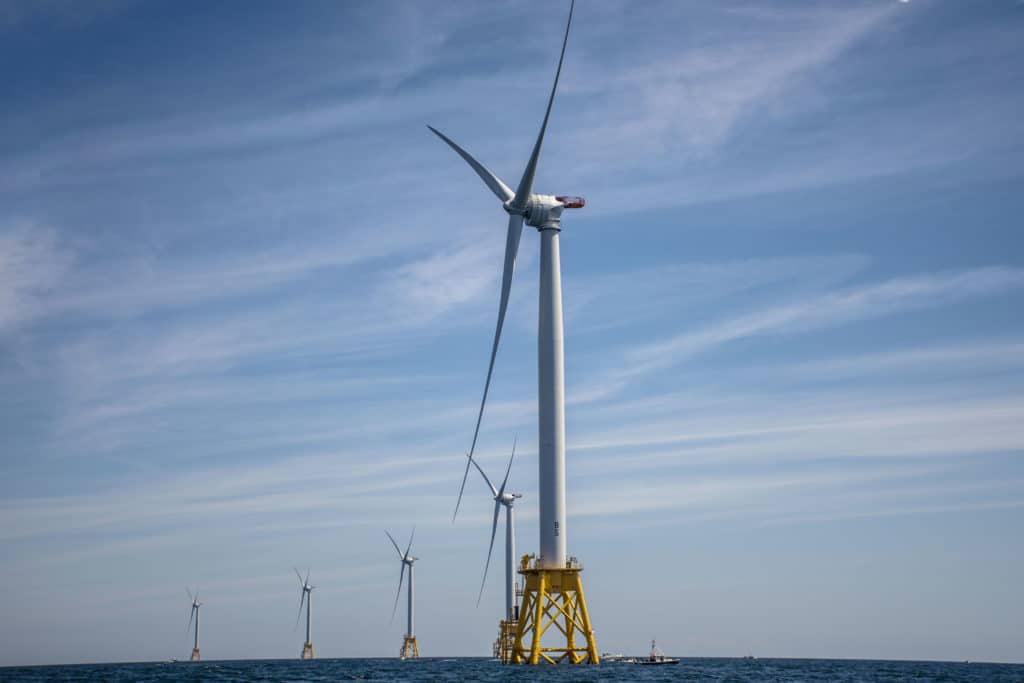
[507,499]
[544,210]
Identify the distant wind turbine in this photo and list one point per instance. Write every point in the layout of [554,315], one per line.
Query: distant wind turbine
[194,612]
[506,500]
[410,650]
[307,597]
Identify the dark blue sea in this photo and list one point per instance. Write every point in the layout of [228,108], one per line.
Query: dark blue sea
[487,670]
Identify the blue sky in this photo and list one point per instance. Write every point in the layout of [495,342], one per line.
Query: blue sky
[246,302]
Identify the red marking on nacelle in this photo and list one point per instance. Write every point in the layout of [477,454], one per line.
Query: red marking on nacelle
[572,202]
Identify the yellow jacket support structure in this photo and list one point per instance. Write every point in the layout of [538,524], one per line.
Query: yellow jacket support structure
[307,651]
[506,640]
[410,650]
[553,597]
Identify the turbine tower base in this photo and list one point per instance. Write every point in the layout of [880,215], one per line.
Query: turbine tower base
[410,650]
[195,655]
[307,651]
[553,597]
[505,641]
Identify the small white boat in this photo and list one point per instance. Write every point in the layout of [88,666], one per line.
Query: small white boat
[656,657]
[615,657]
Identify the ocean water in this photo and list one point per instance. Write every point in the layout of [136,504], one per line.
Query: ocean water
[698,669]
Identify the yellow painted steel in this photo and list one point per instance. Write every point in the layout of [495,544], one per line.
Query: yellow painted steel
[553,597]
[410,650]
[195,654]
[505,641]
[307,651]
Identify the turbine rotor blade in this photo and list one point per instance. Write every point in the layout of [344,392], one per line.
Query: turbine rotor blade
[515,231]
[397,549]
[494,530]
[509,469]
[398,593]
[306,582]
[500,189]
[494,491]
[298,574]
[526,183]
[191,612]
[409,547]
[189,594]
[299,616]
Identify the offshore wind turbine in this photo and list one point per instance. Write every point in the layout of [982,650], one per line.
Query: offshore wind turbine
[307,597]
[410,650]
[553,581]
[506,500]
[506,628]
[194,612]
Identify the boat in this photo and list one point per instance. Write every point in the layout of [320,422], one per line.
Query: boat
[656,657]
[615,657]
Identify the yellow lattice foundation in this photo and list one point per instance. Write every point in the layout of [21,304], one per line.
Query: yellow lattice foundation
[505,641]
[553,598]
[307,651]
[409,648]
[195,654]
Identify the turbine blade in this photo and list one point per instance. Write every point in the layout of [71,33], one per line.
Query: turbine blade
[515,231]
[509,469]
[494,491]
[398,593]
[500,189]
[298,574]
[409,547]
[189,594]
[306,582]
[494,530]
[397,550]
[299,616]
[526,183]
[190,613]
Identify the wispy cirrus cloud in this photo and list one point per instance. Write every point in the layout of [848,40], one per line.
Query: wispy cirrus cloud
[900,294]
[693,98]
[32,267]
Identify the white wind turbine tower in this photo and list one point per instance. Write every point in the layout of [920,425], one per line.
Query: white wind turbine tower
[506,632]
[194,612]
[307,597]
[554,579]
[410,650]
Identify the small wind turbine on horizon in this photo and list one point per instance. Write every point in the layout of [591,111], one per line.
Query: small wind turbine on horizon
[307,597]
[410,650]
[194,612]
